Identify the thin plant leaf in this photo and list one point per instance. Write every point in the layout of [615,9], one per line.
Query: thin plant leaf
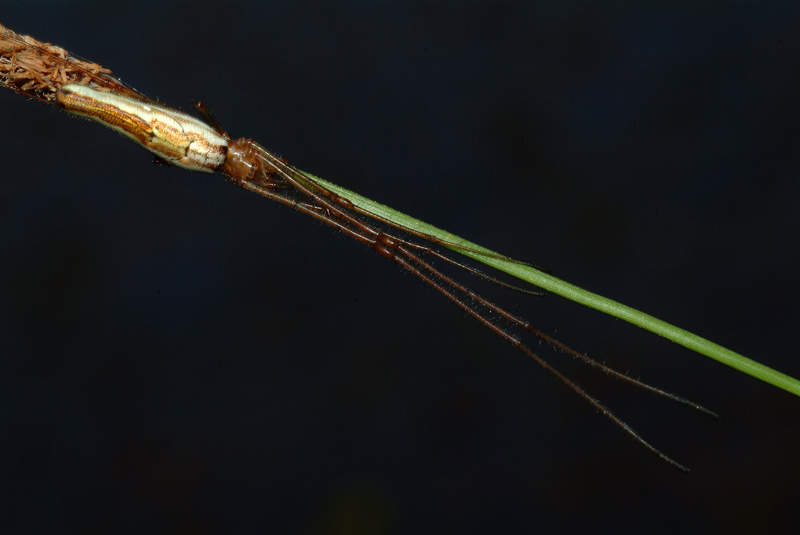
[579,295]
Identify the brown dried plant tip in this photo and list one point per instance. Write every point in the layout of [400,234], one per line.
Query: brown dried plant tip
[38,70]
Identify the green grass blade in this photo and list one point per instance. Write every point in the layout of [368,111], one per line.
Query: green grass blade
[574,293]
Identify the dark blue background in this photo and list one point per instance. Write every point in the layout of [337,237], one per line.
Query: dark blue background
[179,355]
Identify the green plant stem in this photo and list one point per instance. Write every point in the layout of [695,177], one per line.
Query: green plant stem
[574,293]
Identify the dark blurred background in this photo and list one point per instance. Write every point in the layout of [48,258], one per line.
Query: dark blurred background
[181,356]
